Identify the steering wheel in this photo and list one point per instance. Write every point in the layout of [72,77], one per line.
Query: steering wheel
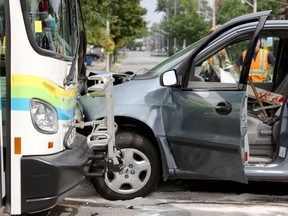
[215,75]
[204,74]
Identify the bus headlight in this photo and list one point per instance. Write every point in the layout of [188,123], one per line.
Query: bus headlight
[44,116]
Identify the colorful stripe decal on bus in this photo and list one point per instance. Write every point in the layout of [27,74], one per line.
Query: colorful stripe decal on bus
[22,104]
[25,87]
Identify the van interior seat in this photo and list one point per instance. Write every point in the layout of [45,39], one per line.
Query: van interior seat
[263,137]
[260,137]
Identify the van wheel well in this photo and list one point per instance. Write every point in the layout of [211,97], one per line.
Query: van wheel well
[133,125]
[129,124]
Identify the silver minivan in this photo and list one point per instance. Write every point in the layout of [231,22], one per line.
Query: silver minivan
[181,121]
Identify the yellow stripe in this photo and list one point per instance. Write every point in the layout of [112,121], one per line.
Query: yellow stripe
[38,82]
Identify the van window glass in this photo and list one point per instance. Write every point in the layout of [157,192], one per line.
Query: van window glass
[226,64]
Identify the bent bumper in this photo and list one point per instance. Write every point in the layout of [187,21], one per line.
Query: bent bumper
[49,178]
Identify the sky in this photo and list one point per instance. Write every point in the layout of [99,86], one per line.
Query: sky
[151,16]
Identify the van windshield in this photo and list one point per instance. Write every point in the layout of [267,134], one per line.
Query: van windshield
[173,61]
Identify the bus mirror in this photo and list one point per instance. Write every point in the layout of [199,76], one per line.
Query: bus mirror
[82,54]
[82,46]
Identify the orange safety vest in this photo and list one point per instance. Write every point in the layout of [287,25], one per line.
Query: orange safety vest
[220,59]
[259,66]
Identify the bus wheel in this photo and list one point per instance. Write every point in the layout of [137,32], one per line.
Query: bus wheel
[141,172]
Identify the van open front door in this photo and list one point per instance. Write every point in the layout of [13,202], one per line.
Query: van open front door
[208,126]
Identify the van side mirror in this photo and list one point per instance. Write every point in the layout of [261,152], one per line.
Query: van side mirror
[169,78]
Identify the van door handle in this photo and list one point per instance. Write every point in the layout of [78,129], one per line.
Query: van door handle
[223,108]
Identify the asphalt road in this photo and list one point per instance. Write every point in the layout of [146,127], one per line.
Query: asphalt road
[139,62]
[187,197]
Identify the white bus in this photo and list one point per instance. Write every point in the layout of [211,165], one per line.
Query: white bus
[42,157]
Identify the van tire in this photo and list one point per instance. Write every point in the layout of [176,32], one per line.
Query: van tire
[141,164]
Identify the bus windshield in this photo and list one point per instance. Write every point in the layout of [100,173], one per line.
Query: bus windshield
[54,25]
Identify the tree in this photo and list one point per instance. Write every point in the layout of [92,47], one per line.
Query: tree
[129,23]
[94,21]
[228,9]
[182,21]
[125,21]
[275,6]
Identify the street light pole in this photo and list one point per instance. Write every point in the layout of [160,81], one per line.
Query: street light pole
[208,18]
[254,6]
[213,18]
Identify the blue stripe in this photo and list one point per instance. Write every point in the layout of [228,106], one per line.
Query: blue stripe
[23,104]
[20,104]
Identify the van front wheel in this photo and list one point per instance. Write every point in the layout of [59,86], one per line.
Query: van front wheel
[141,172]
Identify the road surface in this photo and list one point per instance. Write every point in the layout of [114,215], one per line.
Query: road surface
[138,62]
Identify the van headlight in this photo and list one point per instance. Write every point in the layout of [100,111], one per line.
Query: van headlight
[44,116]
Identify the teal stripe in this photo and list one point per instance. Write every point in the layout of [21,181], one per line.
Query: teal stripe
[23,104]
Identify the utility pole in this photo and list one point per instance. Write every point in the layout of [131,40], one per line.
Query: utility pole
[213,14]
[108,33]
[168,42]
[175,12]
[254,6]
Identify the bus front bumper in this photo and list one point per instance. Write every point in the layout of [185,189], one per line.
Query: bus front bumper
[47,179]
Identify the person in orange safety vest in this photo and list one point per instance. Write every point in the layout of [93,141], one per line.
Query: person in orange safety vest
[219,60]
[260,63]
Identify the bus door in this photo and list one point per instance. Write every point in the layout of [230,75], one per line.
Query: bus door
[2,103]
